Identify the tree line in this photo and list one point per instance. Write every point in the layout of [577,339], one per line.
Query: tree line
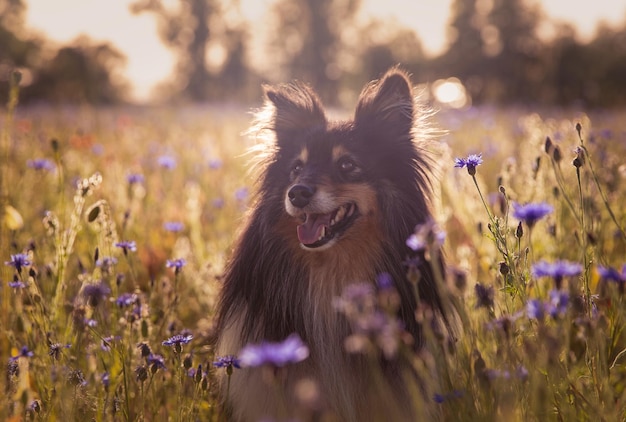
[494,49]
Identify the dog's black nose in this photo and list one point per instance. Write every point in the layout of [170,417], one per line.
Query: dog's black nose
[300,195]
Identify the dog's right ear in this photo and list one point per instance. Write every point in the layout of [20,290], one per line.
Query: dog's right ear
[295,107]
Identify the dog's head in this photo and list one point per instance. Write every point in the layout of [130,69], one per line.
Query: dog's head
[339,181]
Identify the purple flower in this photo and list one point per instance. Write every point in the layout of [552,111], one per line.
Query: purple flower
[557,270]
[126,299]
[178,340]
[127,245]
[177,264]
[24,352]
[291,350]
[105,342]
[229,362]
[134,178]
[106,380]
[167,162]
[384,281]
[41,164]
[16,284]
[612,275]
[471,162]
[18,261]
[531,213]
[535,309]
[173,226]
[155,362]
[241,194]
[215,164]
[557,306]
[425,235]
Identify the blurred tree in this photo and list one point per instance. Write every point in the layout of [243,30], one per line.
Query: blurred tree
[82,72]
[307,41]
[16,48]
[211,53]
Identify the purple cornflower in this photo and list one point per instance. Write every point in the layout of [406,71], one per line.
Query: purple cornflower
[24,352]
[557,270]
[106,262]
[291,350]
[177,341]
[134,178]
[173,226]
[426,235]
[106,380]
[167,162]
[127,245]
[611,274]
[126,299]
[16,284]
[215,164]
[531,213]
[384,281]
[557,306]
[471,162]
[535,309]
[155,362]
[229,362]
[177,264]
[41,164]
[18,261]
[241,194]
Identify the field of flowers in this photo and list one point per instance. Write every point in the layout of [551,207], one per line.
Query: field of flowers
[116,224]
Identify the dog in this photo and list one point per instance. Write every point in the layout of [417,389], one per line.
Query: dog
[336,203]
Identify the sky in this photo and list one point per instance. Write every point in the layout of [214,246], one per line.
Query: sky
[149,62]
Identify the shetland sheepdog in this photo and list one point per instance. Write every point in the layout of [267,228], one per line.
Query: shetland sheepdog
[336,203]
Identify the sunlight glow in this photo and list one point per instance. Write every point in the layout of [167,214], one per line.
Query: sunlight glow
[450,92]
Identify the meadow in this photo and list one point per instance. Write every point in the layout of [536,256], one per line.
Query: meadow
[117,223]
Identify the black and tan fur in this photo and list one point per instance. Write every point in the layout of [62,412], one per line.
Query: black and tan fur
[275,286]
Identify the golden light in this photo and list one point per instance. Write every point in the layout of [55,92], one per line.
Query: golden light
[450,93]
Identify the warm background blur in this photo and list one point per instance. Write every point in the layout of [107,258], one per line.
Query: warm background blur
[550,52]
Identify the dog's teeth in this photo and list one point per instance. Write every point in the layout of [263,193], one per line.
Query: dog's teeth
[350,210]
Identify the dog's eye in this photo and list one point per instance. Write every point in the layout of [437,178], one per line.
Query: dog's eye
[297,167]
[346,165]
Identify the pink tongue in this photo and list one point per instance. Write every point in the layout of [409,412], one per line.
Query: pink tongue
[311,229]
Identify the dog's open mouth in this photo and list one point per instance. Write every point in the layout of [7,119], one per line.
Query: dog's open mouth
[319,229]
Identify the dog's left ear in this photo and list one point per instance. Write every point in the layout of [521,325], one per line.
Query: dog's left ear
[388,101]
[295,107]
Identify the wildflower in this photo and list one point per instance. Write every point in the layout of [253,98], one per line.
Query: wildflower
[177,264]
[41,164]
[126,299]
[218,203]
[215,164]
[127,245]
[229,362]
[384,281]
[17,284]
[54,350]
[173,226]
[531,213]
[18,261]
[241,194]
[471,162]
[105,342]
[95,293]
[291,350]
[106,380]
[535,309]
[557,270]
[177,341]
[106,262]
[425,235]
[155,362]
[557,306]
[167,162]
[35,406]
[484,296]
[134,178]
[611,274]
[579,160]
[24,352]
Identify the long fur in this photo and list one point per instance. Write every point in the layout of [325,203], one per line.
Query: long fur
[274,287]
